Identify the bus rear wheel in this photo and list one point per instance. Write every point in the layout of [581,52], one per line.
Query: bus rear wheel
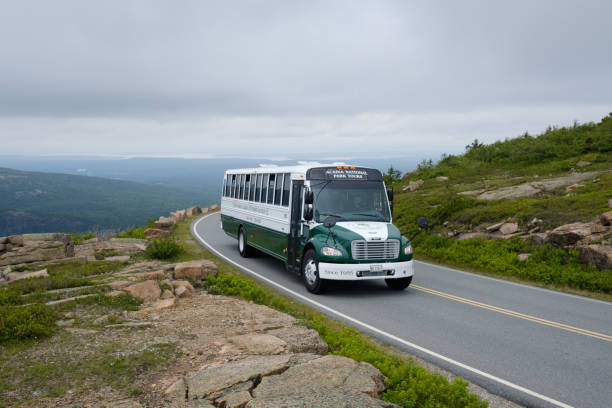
[243,246]
[398,283]
[310,273]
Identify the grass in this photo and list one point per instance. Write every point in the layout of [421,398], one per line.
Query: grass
[408,384]
[108,364]
[137,232]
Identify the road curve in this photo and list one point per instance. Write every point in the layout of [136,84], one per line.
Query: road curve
[534,346]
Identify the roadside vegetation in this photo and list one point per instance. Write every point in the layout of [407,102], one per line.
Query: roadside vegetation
[452,205]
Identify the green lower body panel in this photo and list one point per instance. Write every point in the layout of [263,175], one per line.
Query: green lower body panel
[269,241]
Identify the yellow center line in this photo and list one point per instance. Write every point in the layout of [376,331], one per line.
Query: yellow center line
[600,336]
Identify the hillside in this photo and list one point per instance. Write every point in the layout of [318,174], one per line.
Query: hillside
[49,202]
[561,176]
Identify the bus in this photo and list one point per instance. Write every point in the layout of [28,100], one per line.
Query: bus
[325,222]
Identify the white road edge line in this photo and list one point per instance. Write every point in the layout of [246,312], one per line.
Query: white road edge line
[374,329]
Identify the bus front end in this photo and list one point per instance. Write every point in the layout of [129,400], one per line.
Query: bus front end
[350,234]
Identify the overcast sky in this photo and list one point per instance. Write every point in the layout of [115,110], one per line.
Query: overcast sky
[296,78]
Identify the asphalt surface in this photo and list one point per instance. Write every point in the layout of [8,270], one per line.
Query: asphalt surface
[533,346]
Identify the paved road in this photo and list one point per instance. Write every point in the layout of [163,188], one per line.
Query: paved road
[533,346]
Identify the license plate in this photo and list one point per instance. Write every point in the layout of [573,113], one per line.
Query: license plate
[376,268]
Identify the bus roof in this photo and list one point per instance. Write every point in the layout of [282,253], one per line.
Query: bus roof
[298,169]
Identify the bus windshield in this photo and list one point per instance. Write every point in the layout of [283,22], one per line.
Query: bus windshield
[350,201]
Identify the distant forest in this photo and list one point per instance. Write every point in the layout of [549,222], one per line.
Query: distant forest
[49,202]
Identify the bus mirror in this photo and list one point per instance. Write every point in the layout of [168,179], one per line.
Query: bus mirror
[422,222]
[309,197]
[329,221]
[390,194]
[308,212]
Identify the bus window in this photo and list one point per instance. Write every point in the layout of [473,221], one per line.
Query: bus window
[258,188]
[247,186]
[271,181]
[233,194]
[252,189]
[241,187]
[228,185]
[264,187]
[279,186]
[286,189]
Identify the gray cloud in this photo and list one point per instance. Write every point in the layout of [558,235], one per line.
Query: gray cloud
[297,67]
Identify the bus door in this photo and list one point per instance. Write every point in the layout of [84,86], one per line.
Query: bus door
[294,228]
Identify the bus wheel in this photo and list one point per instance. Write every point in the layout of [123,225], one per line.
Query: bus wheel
[399,283]
[310,273]
[243,247]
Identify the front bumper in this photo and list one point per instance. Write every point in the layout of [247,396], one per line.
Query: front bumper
[366,271]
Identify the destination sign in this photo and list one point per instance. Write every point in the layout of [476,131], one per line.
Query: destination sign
[346,174]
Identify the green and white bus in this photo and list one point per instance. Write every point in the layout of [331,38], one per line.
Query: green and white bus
[325,222]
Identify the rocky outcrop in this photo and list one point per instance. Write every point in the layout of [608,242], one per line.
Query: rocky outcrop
[287,380]
[152,233]
[28,248]
[606,218]
[598,255]
[413,185]
[195,270]
[330,381]
[129,246]
[147,290]
[535,187]
[190,212]
[570,234]
[15,276]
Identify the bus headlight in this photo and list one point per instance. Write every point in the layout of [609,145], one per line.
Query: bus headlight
[408,249]
[327,251]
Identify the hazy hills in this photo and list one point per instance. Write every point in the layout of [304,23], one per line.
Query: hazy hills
[49,202]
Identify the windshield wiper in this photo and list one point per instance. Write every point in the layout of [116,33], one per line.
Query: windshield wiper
[370,215]
[330,215]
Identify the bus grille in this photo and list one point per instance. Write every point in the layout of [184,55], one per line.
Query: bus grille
[366,250]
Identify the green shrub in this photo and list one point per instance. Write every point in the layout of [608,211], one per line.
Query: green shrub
[24,322]
[408,384]
[164,248]
[137,232]
[79,238]
[547,264]
[10,296]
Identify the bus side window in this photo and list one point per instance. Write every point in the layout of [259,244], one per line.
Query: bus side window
[279,186]
[286,189]
[233,193]
[271,188]
[247,186]
[258,188]
[242,183]
[252,189]
[264,188]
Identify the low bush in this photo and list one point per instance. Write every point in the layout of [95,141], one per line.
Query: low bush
[79,238]
[408,384]
[547,264]
[137,232]
[25,322]
[164,248]
[10,296]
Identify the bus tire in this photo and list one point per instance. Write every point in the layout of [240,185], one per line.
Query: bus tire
[310,273]
[398,283]
[243,246]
